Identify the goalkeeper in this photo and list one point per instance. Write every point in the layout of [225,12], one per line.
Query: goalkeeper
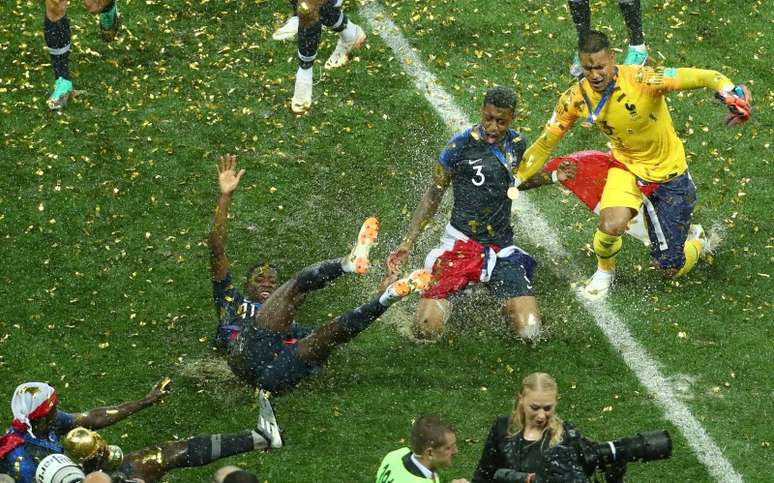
[647,163]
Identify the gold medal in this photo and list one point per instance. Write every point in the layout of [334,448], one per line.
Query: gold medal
[586,124]
[513,192]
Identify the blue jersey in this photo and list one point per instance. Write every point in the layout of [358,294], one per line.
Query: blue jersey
[481,174]
[232,310]
[22,461]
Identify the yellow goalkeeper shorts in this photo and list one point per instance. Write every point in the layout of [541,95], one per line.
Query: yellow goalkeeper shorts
[621,190]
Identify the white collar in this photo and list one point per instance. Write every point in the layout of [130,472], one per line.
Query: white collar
[425,471]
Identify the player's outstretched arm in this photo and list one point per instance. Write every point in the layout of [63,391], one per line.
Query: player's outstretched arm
[736,98]
[537,154]
[228,180]
[102,417]
[566,170]
[428,206]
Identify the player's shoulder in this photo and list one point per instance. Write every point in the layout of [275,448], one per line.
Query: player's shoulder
[463,137]
[517,138]
[646,76]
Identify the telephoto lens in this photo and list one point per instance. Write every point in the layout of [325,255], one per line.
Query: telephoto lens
[650,446]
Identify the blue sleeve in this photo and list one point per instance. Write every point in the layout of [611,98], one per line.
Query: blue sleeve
[519,147]
[64,422]
[451,152]
[226,298]
[19,466]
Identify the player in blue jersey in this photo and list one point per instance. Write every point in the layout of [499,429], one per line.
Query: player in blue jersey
[38,425]
[263,344]
[56,30]
[477,245]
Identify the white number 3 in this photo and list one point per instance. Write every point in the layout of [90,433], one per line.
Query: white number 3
[478,180]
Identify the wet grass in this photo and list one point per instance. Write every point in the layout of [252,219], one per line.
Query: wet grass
[104,211]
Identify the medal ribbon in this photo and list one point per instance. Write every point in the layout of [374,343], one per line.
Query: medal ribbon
[502,157]
[594,112]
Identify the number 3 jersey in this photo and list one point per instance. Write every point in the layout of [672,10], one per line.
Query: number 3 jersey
[481,174]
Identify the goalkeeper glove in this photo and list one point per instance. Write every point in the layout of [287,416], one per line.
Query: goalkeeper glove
[737,100]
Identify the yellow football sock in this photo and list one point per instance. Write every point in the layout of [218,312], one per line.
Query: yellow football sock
[692,249]
[606,247]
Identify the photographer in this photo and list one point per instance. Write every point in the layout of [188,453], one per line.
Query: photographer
[532,444]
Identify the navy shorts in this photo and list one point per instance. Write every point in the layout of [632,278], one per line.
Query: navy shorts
[265,358]
[669,210]
[512,276]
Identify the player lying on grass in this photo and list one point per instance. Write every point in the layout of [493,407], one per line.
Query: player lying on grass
[56,30]
[38,425]
[647,162]
[477,245]
[312,15]
[636,54]
[256,330]
[150,464]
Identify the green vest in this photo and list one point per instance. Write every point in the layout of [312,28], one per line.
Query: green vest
[392,469]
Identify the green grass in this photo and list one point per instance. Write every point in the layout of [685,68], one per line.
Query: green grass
[104,211]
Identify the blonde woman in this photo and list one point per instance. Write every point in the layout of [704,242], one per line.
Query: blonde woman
[531,445]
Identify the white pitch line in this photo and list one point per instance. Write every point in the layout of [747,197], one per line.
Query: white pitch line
[540,233]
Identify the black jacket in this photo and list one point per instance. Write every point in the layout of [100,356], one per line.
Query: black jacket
[502,451]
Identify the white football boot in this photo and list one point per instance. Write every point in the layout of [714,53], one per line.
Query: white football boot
[287,31]
[597,287]
[267,426]
[357,260]
[302,94]
[354,40]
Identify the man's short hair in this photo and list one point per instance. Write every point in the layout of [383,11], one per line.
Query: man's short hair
[429,432]
[241,477]
[594,41]
[260,267]
[502,97]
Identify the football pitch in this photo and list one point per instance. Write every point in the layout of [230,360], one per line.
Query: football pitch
[105,210]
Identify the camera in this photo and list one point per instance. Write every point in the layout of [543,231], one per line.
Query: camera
[611,457]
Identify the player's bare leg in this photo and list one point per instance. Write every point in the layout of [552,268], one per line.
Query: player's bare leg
[607,243]
[317,347]
[524,317]
[431,318]
[279,310]
[154,462]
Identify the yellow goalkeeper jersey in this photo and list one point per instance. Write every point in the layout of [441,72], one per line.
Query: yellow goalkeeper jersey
[635,119]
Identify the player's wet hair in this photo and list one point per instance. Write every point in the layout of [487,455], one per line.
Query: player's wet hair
[502,97]
[260,267]
[429,432]
[594,41]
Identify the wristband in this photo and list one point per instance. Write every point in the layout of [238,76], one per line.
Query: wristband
[554,176]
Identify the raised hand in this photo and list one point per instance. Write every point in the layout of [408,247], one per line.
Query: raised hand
[738,101]
[159,390]
[228,178]
[397,259]
[566,170]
